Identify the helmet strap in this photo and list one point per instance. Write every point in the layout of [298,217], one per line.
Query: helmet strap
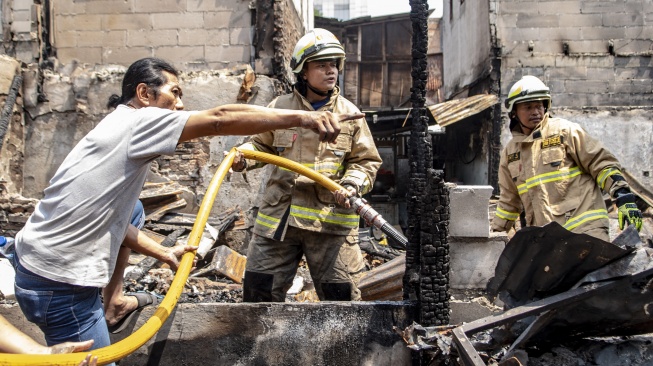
[302,87]
[319,92]
[523,127]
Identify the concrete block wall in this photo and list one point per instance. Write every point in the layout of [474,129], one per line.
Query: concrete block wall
[473,250]
[94,41]
[473,260]
[192,34]
[21,22]
[469,211]
[590,52]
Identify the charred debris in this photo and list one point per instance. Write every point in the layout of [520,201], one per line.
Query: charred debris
[564,294]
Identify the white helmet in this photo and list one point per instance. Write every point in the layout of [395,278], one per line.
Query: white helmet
[317,44]
[528,88]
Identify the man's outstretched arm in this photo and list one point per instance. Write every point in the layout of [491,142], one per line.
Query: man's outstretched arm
[244,119]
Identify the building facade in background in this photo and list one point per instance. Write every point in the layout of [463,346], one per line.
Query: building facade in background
[193,34]
[341,9]
[596,56]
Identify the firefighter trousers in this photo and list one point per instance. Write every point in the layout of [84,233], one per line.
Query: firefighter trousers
[334,261]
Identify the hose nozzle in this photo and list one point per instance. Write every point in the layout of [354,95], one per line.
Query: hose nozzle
[373,218]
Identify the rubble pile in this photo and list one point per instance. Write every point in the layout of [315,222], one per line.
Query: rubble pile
[569,299]
[14,212]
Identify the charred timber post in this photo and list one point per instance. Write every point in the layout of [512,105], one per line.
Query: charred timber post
[427,256]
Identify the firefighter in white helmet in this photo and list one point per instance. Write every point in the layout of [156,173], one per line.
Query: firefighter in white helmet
[552,170]
[298,217]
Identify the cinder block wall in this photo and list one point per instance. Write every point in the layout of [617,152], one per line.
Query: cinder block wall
[596,56]
[589,52]
[193,34]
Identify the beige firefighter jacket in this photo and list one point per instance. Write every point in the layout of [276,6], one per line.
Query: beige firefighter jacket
[292,199]
[556,174]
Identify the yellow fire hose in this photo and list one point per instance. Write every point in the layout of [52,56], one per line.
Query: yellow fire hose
[130,344]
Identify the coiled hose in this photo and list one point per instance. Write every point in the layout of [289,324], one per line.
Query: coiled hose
[130,344]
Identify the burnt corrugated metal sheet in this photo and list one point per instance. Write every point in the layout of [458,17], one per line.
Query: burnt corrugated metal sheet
[458,109]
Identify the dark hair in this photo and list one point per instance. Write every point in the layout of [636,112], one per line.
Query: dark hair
[147,70]
[300,85]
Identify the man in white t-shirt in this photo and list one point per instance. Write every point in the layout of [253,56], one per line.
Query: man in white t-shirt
[80,230]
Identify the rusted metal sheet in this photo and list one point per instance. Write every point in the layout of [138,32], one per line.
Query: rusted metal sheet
[226,262]
[246,92]
[384,282]
[458,109]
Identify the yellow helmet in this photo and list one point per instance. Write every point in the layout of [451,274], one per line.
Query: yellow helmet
[528,88]
[317,44]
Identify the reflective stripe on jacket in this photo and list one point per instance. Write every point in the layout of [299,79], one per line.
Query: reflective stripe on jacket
[556,174]
[292,199]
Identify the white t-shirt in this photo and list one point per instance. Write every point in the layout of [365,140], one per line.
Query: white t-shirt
[76,230]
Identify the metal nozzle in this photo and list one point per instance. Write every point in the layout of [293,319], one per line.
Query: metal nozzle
[373,218]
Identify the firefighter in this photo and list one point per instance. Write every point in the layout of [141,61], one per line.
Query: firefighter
[554,171]
[298,217]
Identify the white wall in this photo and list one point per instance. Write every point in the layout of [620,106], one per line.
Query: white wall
[465,44]
[305,11]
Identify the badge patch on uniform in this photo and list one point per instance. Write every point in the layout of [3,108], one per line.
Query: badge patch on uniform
[514,157]
[284,138]
[555,140]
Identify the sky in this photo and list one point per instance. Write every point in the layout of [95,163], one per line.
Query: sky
[386,7]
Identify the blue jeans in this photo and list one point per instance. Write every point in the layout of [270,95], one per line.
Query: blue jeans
[63,312]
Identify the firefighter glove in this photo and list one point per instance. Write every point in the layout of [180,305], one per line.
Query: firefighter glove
[628,211]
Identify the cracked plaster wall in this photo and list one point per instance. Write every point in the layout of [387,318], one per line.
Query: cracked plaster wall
[76,103]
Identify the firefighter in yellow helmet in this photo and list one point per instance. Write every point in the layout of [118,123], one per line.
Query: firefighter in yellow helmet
[298,217]
[552,170]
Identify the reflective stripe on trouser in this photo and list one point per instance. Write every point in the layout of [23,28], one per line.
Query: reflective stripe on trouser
[331,259]
[507,215]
